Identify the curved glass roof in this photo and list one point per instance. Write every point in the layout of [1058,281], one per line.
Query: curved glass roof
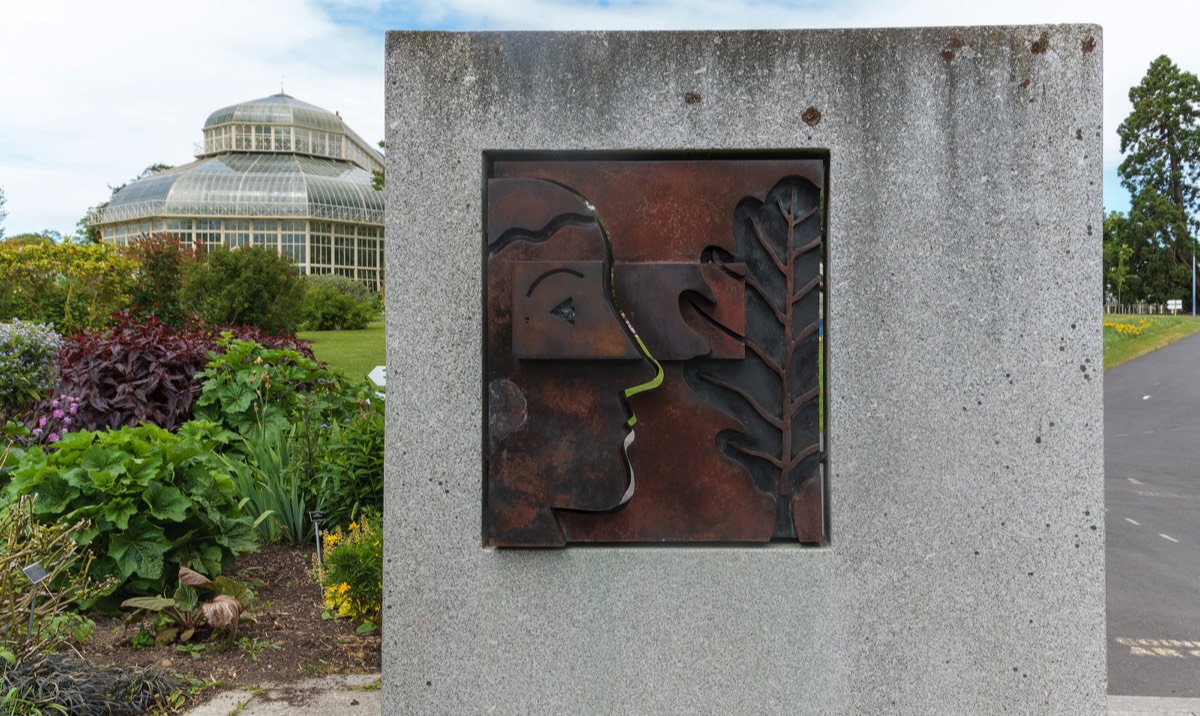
[277,109]
[252,185]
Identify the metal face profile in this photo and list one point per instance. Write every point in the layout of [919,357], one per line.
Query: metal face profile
[652,351]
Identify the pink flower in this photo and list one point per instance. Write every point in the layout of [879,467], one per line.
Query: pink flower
[74,408]
[52,437]
[66,422]
[42,422]
[58,414]
[54,403]
[37,432]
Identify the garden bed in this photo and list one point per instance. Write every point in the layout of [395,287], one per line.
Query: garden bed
[288,614]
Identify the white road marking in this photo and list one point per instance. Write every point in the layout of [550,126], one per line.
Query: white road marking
[1133,522]
[1133,481]
[1145,397]
[1160,534]
[1168,495]
[1122,435]
[1147,432]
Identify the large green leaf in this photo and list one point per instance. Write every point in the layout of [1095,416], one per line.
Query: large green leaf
[104,459]
[154,604]
[29,473]
[238,397]
[210,558]
[85,537]
[225,585]
[77,477]
[139,549]
[186,597]
[238,536]
[118,511]
[76,441]
[166,502]
[53,496]
[147,469]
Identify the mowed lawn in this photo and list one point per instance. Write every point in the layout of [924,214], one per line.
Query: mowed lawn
[354,352]
[1128,336]
[1125,337]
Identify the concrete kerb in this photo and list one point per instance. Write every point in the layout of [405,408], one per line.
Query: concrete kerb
[1151,706]
[348,694]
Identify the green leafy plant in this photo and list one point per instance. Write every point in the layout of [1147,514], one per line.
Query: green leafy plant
[154,500]
[12,436]
[28,366]
[349,461]
[352,574]
[158,280]
[247,387]
[70,286]
[142,638]
[138,371]
[327,309]
[193,650]
[252,285]
[270,487]
[346,286]
[23,541]
[254,647]
[183,613]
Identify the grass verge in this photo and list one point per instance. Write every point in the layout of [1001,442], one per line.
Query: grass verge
[354,352]
[1127,336]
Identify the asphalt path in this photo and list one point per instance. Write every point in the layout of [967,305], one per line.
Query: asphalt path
[1152,493]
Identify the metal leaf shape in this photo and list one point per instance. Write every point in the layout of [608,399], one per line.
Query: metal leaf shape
[774,392]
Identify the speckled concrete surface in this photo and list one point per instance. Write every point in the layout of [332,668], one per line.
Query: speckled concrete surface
[966,567]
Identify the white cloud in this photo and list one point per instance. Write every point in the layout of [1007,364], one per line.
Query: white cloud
[95,92]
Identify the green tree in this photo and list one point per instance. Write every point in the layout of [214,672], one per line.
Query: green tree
[158,280]
[73,287]
[46,236]
[1150,271]
[251,286]
[1116,256]
[378,179]
[1161,142]
[87,230]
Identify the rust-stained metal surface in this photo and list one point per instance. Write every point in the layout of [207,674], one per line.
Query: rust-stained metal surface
[715,266]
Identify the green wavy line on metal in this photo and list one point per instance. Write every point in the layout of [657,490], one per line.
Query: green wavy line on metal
[611,288]
[651,384]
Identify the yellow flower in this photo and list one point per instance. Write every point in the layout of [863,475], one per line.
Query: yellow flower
[343,588]
[353,525]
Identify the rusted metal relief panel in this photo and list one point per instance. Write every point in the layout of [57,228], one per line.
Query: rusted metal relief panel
[652,345]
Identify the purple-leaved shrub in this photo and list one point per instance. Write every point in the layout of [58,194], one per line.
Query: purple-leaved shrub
[142,371]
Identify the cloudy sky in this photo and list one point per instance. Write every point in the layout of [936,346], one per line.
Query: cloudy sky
[92,93]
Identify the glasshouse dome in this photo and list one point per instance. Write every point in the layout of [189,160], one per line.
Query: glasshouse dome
[274,172]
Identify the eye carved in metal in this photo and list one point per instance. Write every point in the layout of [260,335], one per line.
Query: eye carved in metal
[652,352]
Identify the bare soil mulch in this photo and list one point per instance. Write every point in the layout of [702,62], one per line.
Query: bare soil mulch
[287,613]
